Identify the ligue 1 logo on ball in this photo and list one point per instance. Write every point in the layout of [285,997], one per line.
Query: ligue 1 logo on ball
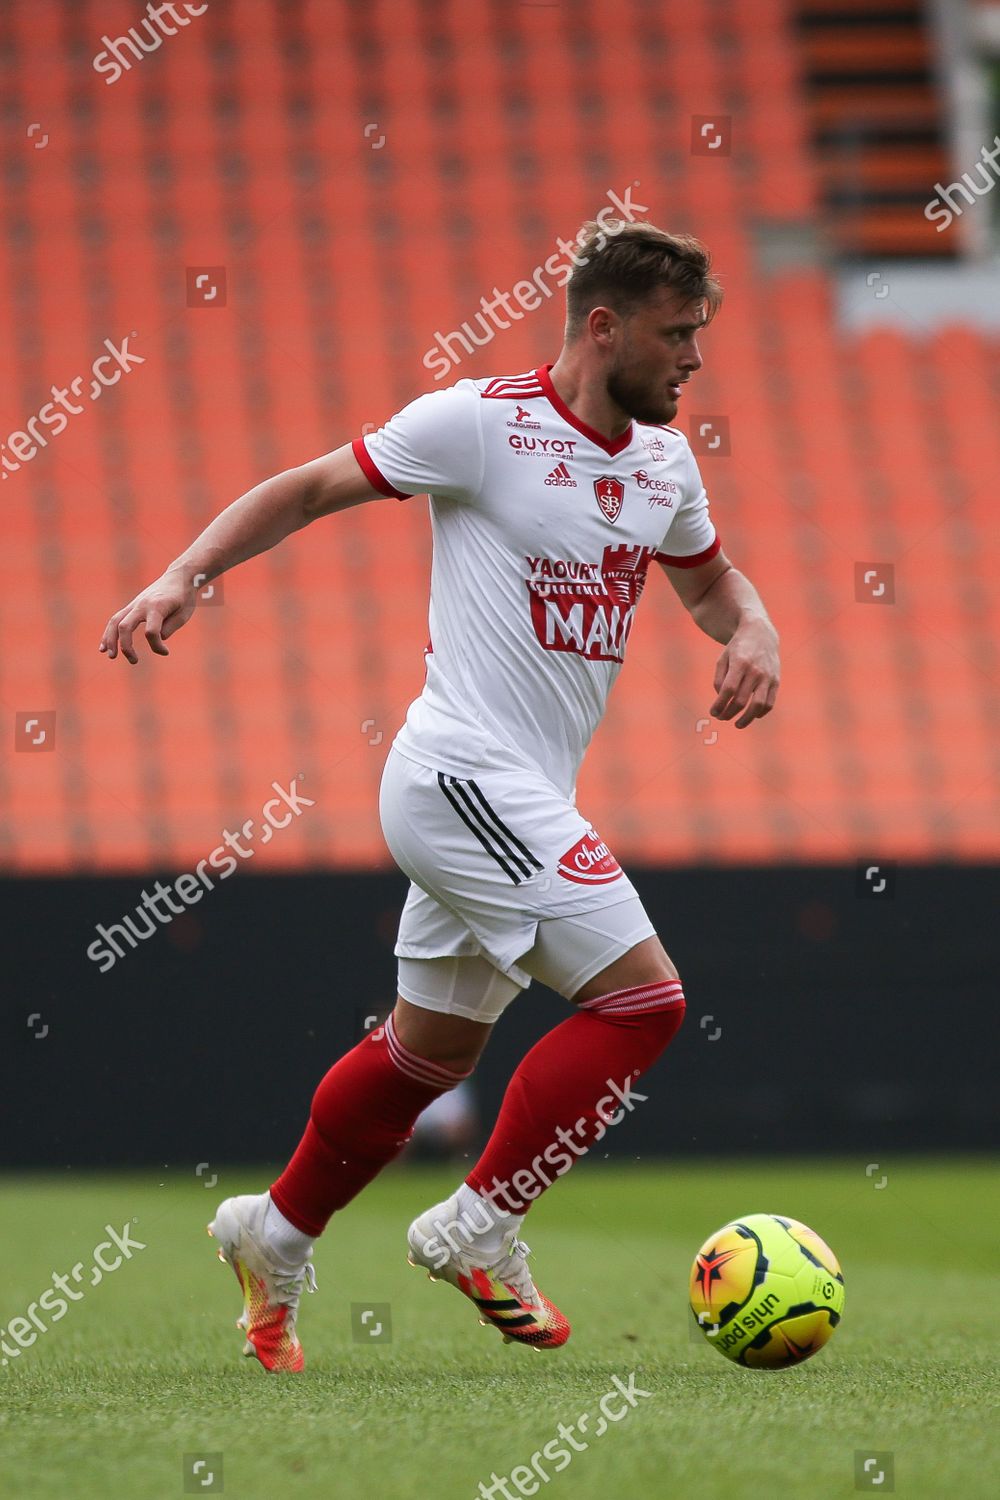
[610,495]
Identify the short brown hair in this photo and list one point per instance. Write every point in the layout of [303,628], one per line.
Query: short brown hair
[623,262]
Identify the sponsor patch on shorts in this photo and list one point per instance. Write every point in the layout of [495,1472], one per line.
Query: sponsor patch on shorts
[589,861]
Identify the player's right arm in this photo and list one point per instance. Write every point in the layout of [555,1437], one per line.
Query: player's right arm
[255,522]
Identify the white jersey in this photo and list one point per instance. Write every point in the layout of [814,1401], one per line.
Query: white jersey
[543,531]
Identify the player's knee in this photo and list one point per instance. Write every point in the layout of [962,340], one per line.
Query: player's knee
[451,1042]
[665,1019]
[654,1009]
[646,1024]
[657,1028]
[670,1019]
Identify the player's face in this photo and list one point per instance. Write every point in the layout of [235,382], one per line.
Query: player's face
[658,352]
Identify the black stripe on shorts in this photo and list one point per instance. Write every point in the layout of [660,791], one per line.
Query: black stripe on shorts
[514,857]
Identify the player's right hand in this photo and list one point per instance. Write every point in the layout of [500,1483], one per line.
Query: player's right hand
[161,609]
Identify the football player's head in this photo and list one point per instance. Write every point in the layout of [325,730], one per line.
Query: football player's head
[637,298]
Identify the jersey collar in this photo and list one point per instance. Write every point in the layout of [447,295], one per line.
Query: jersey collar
[610,448]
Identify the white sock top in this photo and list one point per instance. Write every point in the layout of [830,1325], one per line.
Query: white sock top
[288,1243]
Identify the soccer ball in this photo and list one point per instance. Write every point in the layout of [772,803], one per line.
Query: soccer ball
[766,1291]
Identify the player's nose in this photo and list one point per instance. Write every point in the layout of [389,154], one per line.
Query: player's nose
[691,358]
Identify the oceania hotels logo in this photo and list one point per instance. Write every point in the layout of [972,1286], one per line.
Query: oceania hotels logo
[523,418]
[664,489]
[561,475]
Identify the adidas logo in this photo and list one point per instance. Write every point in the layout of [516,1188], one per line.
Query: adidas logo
[561,475]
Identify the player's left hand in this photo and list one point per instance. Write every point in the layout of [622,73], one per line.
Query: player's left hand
[747,674]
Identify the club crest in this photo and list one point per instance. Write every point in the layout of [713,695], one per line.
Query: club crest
[610,495]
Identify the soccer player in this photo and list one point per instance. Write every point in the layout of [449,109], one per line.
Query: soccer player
[551,493]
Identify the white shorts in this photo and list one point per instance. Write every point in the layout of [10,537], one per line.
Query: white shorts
[506,871]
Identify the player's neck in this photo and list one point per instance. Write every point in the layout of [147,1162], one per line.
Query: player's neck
[587,398]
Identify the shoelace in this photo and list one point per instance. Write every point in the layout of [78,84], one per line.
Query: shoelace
[519,1277]
[290,1284]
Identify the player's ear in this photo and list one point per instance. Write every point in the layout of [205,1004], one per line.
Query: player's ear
[603,323]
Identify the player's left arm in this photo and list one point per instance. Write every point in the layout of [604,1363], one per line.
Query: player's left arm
[726,606]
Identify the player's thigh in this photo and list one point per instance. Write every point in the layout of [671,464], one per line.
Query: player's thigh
[647,963]
[449,992]
[466,990]
[598,951]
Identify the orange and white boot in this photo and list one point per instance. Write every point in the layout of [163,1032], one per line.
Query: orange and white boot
[271,1288]
[500,1285]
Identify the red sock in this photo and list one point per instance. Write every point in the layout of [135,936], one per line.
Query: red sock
[588,1061]
[362,1115]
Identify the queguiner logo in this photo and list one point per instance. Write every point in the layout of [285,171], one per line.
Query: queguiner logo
[523,418]
[587,607]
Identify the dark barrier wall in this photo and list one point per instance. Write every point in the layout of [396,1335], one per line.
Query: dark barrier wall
[826,1012]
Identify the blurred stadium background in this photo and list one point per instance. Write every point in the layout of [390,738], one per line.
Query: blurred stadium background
[282,207]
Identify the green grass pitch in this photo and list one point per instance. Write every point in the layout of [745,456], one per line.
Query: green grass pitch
[146,1368]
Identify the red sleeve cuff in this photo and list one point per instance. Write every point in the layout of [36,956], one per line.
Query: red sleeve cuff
[373,473]
[694,560]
